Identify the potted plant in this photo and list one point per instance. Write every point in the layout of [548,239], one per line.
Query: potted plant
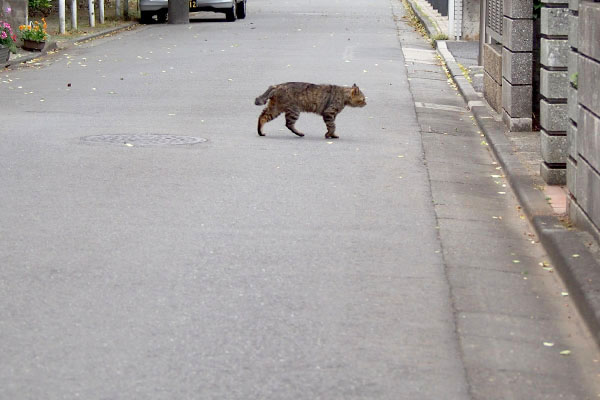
[34,35]
[7,41]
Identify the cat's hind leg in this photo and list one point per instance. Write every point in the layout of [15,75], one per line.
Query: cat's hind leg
[329,119]
[291,116]
[269,113]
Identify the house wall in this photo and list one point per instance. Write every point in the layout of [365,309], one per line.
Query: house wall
[583,163]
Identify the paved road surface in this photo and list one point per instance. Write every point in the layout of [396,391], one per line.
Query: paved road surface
[264,268]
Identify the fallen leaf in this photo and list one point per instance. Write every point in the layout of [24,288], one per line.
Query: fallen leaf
[548,344]
[565,352]
[575,255]
[564,294]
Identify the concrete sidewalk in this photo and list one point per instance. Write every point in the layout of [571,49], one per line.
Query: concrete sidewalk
[575,253]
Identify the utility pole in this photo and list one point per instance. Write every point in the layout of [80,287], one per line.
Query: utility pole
[74,15]
[101,11]
[92,14]
[61,16]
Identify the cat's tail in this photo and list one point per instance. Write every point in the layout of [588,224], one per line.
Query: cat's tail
[263,98]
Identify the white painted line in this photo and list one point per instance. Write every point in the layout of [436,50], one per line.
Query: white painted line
[442,107]
[475,103]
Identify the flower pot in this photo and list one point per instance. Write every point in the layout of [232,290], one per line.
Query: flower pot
[34,46]
[4,54]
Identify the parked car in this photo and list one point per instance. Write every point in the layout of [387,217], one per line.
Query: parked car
[233,9]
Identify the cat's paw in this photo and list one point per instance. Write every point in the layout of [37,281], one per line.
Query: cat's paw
[331,136]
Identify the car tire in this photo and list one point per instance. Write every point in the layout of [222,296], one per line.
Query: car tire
[240,9]
[230,15]
[146,17]
[161,16]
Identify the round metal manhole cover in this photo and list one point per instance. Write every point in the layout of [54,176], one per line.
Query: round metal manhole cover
[143,140]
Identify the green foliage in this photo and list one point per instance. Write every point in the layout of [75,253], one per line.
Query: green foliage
[40,5]
[440,36]
[537,9]
[574,78]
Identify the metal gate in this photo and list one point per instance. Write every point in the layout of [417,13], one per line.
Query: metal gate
[494,19]
[440,5]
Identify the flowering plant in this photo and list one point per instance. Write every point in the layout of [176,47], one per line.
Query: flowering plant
[34,31]
[7,37]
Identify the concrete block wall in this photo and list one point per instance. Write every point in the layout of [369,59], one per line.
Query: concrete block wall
[554,88]
[517,53]
[492,75]
[583,123]
[470,20]
[14,12]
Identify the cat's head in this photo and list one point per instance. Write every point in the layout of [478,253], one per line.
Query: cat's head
[357,98]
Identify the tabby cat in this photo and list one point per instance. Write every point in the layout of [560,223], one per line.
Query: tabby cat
[292,98]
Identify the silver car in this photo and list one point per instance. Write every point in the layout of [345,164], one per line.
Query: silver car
[233,9]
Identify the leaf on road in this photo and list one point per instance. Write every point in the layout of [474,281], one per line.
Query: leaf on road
[548,344]
[564,294]
[565,352]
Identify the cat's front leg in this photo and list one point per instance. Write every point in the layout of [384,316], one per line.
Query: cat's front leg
[329,118]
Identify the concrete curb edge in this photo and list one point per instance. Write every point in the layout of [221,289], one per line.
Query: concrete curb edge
[431,29]
[581,273]
[54,45]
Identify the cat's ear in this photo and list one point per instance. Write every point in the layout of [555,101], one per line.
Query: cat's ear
[355,90]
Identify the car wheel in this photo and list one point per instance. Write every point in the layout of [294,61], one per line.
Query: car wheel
[146,17]
[161,16]
[230,15]
[240,9]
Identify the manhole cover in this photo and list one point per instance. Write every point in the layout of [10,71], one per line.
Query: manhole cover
[143,140]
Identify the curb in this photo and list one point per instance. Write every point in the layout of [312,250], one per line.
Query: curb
[54,45]
[431,29]
[570,250]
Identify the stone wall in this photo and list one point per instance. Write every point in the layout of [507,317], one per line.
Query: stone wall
[14,12]
[517,59]
[492,75]
[554,83]
[583,162]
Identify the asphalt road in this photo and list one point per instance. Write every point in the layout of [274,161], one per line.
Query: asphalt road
[241,267]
